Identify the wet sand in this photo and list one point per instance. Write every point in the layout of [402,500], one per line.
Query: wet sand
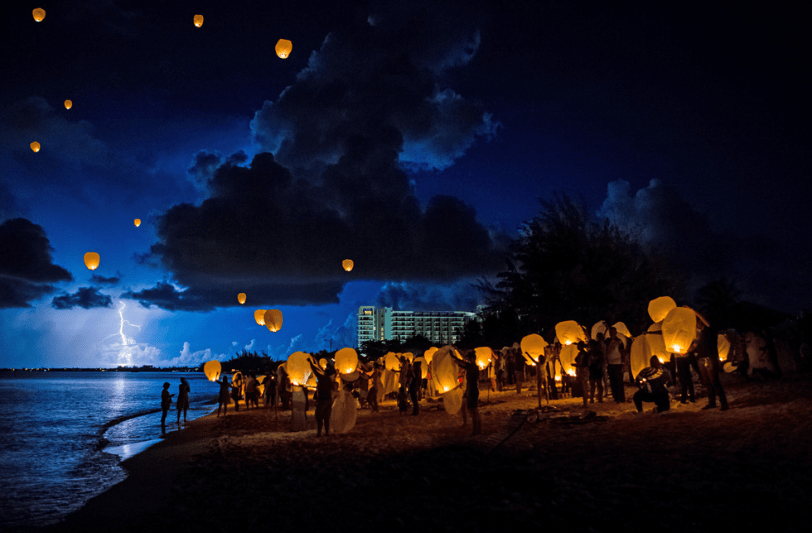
[686,470]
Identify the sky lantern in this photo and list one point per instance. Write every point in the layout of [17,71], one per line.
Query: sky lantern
[68,104]
[484,356]
[567,356]
[137,222]
[241,298]
[428,354]
[273,320]
[347,264]
[298,368]
[723,345]
[92,260]
[39,14]
[533,346]
[391,362]
[35,146]
[679,329]
[283,48]
[424,366]
[658,308]
[407,355]
[198,20]
[259,316]
[212,370]
[621,328]
[323,363]
[569,332]
[346,360]
[445,370]
[640,353]
[598,327]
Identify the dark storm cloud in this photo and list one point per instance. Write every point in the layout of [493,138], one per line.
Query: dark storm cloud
[286,238]
[95,278]
[85,297]
[380,76]
[26,266]
[459,296]
[666,223]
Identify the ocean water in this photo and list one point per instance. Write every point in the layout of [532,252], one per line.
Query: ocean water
[64,434]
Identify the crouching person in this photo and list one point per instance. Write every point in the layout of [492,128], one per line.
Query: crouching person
[653,381]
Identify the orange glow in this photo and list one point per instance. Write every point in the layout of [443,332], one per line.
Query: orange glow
[35,146]
[347,264]
[283,48]
[92,260]
[68,104]
[677,348]
[198,20]
[241,298]
[137,222]
[567,343]
[39,14]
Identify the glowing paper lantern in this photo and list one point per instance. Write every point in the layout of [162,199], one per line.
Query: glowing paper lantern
[484,356]
[273,320]
[428,354]
[323,363]
[679,329]
[283,48]
[68,104]
[346,360]
[241,298]
[259,316]
[407,355]
[622,329]
[599,327]
[39,14]
[567,356]
[640,354]
[723,345]
[445,369]
[533,345]
[391,362]
[569,332]
[347,264]
[198,20]
[658,308]
[137,222]
[212,370]
[35,146]
[298,368]
[92,260]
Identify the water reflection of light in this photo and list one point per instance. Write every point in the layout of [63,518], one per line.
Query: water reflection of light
[117,399]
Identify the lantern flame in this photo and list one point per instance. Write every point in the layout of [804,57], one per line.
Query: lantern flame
[571,372]
[661,360]
[677,348]
[567,343]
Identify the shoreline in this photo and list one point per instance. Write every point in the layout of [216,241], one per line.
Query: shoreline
[710,468]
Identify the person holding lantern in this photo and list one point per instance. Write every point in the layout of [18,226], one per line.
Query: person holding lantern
[653,381]
[471,387]
[324,393]
[707,355]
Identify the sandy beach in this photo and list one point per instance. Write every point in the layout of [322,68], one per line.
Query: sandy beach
[604,468]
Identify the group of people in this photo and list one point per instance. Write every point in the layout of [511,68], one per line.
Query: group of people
[182,402]
[247,389]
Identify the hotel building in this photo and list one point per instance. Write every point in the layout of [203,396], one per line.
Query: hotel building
[440,327]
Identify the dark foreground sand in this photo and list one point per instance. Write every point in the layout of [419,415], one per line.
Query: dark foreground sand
[687,470]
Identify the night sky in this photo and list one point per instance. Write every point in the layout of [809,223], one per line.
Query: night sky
[412,137]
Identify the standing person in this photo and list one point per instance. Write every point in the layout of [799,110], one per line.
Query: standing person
[471,388]
[183,398]
[166,403]
[582,370]
[374,386]
[324,391]
[251,392]
[614,363]
[707,355]
[270,389]
[225,394]
[298,409]
[684,364]
[236,390]
[653,383]
[595,371]
[414,386]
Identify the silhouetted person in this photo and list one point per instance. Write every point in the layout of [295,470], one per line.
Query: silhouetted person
[236,390]
[471,388]
[614,364]
[224,398]
[653,381]
[251,393]
[270,390]
[582,370]
[595,358]
[166,403]
[707,356]
[374,386]
[686,381]
[183,398]
[414,387]
[324,393]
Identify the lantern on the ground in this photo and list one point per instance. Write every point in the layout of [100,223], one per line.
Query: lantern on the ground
[68,104]
[298,368]
[569,332]
[533,346]
[39,14]
[484,356]
[259,316]
[35,146]
[658,308]
[212,370]
[346,360]
[283,48]
[137,222]
[273,320]
[679,329]
[92,260]
[241,298]
[198,21]
[347,264]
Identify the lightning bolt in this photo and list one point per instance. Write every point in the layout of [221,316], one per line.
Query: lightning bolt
[127,343]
